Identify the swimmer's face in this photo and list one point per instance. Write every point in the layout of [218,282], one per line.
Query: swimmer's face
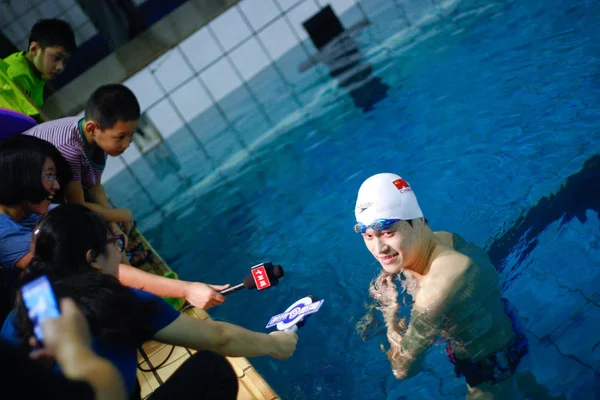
[392,247]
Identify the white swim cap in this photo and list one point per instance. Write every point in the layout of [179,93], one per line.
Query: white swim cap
[386,196]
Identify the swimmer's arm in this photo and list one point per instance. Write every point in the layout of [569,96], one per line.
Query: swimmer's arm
[155,284]
[422,332]
[431,305]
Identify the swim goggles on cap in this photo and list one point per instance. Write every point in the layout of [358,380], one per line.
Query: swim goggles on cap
[377,225]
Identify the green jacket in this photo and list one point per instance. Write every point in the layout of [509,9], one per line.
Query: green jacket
[11,97]
[18,70]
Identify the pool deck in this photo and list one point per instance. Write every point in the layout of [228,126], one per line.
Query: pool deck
[252,386]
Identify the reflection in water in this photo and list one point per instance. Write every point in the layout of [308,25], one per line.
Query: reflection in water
[578,194]
[339,51]
[163,163]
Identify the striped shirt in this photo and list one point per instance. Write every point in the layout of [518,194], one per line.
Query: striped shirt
[66,134]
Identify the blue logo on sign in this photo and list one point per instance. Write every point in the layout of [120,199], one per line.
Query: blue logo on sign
[295,314]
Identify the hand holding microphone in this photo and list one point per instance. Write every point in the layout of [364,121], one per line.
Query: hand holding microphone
[262,276]
[204,296]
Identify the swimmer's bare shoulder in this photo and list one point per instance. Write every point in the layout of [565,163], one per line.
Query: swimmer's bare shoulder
[451,240]
[446,277]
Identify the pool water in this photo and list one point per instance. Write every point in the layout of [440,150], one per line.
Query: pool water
[491,114]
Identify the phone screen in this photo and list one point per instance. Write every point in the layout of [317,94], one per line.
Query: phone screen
[40,303]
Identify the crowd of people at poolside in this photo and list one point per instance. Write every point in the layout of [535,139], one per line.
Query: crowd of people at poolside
[56,221]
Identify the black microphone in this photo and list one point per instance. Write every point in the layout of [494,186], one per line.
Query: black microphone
[263,276]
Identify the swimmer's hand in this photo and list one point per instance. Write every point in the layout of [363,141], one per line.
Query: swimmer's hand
[284,344]
[204,296]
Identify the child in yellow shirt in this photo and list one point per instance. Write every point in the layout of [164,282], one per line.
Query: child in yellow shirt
[51,45]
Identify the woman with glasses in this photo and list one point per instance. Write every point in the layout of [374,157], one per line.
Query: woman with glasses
[73,247]
[33,174]
[29,183]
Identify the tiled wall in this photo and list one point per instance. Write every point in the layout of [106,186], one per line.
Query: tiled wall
[17,17]
[214,76]
[231,81]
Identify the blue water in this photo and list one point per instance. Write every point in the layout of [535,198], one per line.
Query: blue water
[491,108]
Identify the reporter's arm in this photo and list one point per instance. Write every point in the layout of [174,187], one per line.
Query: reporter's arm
[198,294]
[226,339]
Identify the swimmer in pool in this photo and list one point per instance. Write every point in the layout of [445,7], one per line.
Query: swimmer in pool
[454,290]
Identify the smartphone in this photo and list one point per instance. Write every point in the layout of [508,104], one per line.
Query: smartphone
[40,302]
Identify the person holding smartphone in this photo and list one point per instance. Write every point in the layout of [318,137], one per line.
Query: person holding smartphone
[74,248]
[67,340]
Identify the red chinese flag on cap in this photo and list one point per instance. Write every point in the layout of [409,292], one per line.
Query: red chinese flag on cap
[400,184]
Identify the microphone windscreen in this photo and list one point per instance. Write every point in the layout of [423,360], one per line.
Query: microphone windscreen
[249,282]
[278,271]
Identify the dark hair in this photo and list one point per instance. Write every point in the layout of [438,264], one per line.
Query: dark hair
[112,103]
[21,162]
[65,234]
[53,32]
[61,240]
[114,312]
